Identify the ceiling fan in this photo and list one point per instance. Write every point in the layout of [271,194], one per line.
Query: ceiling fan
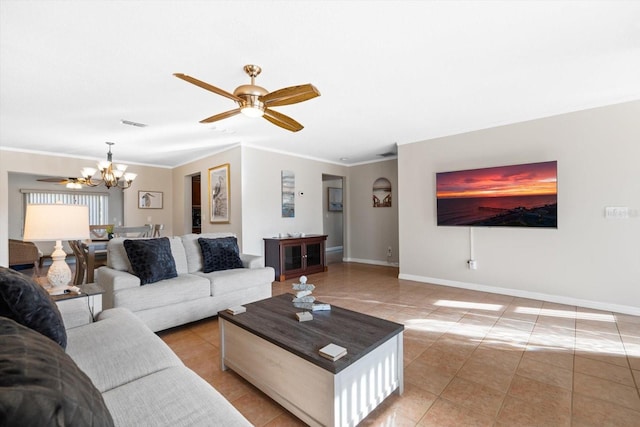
[255,101]
[70,182]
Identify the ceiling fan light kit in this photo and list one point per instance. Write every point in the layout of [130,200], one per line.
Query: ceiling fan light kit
[109,176]
[255,101]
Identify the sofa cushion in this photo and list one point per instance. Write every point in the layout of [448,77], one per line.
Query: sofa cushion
[172,397]
[26,302]
[228,281]
[151,259]
[40,385]
[117,257]
[193,251]
[220,254]
[119,349]
[186,287]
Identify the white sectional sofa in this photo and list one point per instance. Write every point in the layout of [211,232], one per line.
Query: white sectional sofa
[142,381]
[59,367]
[193,294]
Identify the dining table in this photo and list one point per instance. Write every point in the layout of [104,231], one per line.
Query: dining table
[95,248]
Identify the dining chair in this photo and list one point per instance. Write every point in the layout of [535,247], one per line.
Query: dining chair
[157,229]
[81,262]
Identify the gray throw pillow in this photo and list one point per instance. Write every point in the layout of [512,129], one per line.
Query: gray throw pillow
[151,259]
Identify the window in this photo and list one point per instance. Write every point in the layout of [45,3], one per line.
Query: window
[98,202]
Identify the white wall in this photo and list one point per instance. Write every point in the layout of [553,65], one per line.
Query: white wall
[182,193]
[588,260]
[261,195]
[372,230]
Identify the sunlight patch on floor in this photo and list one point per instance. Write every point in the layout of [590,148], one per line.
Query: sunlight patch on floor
[432,325]
[567,314]
[469,305]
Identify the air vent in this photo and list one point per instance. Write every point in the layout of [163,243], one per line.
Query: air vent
[130,123]
[387,154]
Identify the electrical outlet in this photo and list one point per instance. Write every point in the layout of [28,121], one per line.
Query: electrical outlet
[473,264]
[621,212]
[389,251]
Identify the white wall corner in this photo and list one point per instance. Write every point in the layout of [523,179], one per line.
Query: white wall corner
[371,261]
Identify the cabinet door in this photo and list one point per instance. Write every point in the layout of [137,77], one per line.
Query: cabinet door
[293,257]
[314,254]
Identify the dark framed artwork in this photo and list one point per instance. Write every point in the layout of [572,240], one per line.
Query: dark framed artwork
[335,199]
[219,194]
[150,199]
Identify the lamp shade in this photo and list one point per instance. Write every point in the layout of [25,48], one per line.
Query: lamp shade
[56,222]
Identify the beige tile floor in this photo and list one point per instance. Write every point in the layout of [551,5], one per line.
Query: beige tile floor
[471,358]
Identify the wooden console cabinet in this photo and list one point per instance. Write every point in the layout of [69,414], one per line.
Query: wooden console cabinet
[295,256]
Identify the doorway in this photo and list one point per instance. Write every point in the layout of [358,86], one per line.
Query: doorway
[196,209]
[333,205]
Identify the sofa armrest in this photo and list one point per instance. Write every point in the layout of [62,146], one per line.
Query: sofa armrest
[113,281]
[252,261]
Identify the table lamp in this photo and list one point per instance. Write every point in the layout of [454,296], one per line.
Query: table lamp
[57,222]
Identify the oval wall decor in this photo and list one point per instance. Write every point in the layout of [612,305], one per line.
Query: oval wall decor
[382,193]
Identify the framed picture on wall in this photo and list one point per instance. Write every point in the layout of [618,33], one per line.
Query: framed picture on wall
[288,194]
[150,199]
[219,189]
[335,199]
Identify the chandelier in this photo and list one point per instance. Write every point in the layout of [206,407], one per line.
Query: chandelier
[109,176]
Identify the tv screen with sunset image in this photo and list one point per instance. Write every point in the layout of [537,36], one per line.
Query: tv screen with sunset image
[506,196]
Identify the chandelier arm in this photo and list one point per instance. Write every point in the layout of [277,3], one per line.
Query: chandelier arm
[125,184]
[88,181]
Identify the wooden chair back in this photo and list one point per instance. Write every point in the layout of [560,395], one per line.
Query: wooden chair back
[80,254]
[157,229]
[141,231]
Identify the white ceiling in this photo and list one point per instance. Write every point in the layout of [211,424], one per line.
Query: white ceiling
[389,72]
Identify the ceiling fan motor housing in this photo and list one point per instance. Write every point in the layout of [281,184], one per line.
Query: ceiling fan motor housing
[250,94]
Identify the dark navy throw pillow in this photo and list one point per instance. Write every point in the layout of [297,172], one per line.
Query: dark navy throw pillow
[220,254]
[26,302]
[151,259]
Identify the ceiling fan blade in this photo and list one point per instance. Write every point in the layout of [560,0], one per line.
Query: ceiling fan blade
[207,86]
[221,116]
[281,120]
[57,180]
[290,95]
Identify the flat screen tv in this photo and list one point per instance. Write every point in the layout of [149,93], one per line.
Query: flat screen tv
[505,196]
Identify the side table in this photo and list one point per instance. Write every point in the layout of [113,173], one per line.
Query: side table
[79,308]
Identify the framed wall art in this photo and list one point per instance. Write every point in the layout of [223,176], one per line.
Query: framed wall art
[288,194]
[150,199]
[219,194]
[382,193]
[335,199]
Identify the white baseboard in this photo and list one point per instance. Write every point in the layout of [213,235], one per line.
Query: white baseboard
[371,261]
[597,305]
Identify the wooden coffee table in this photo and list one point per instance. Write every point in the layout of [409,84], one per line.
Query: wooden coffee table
[279,355]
